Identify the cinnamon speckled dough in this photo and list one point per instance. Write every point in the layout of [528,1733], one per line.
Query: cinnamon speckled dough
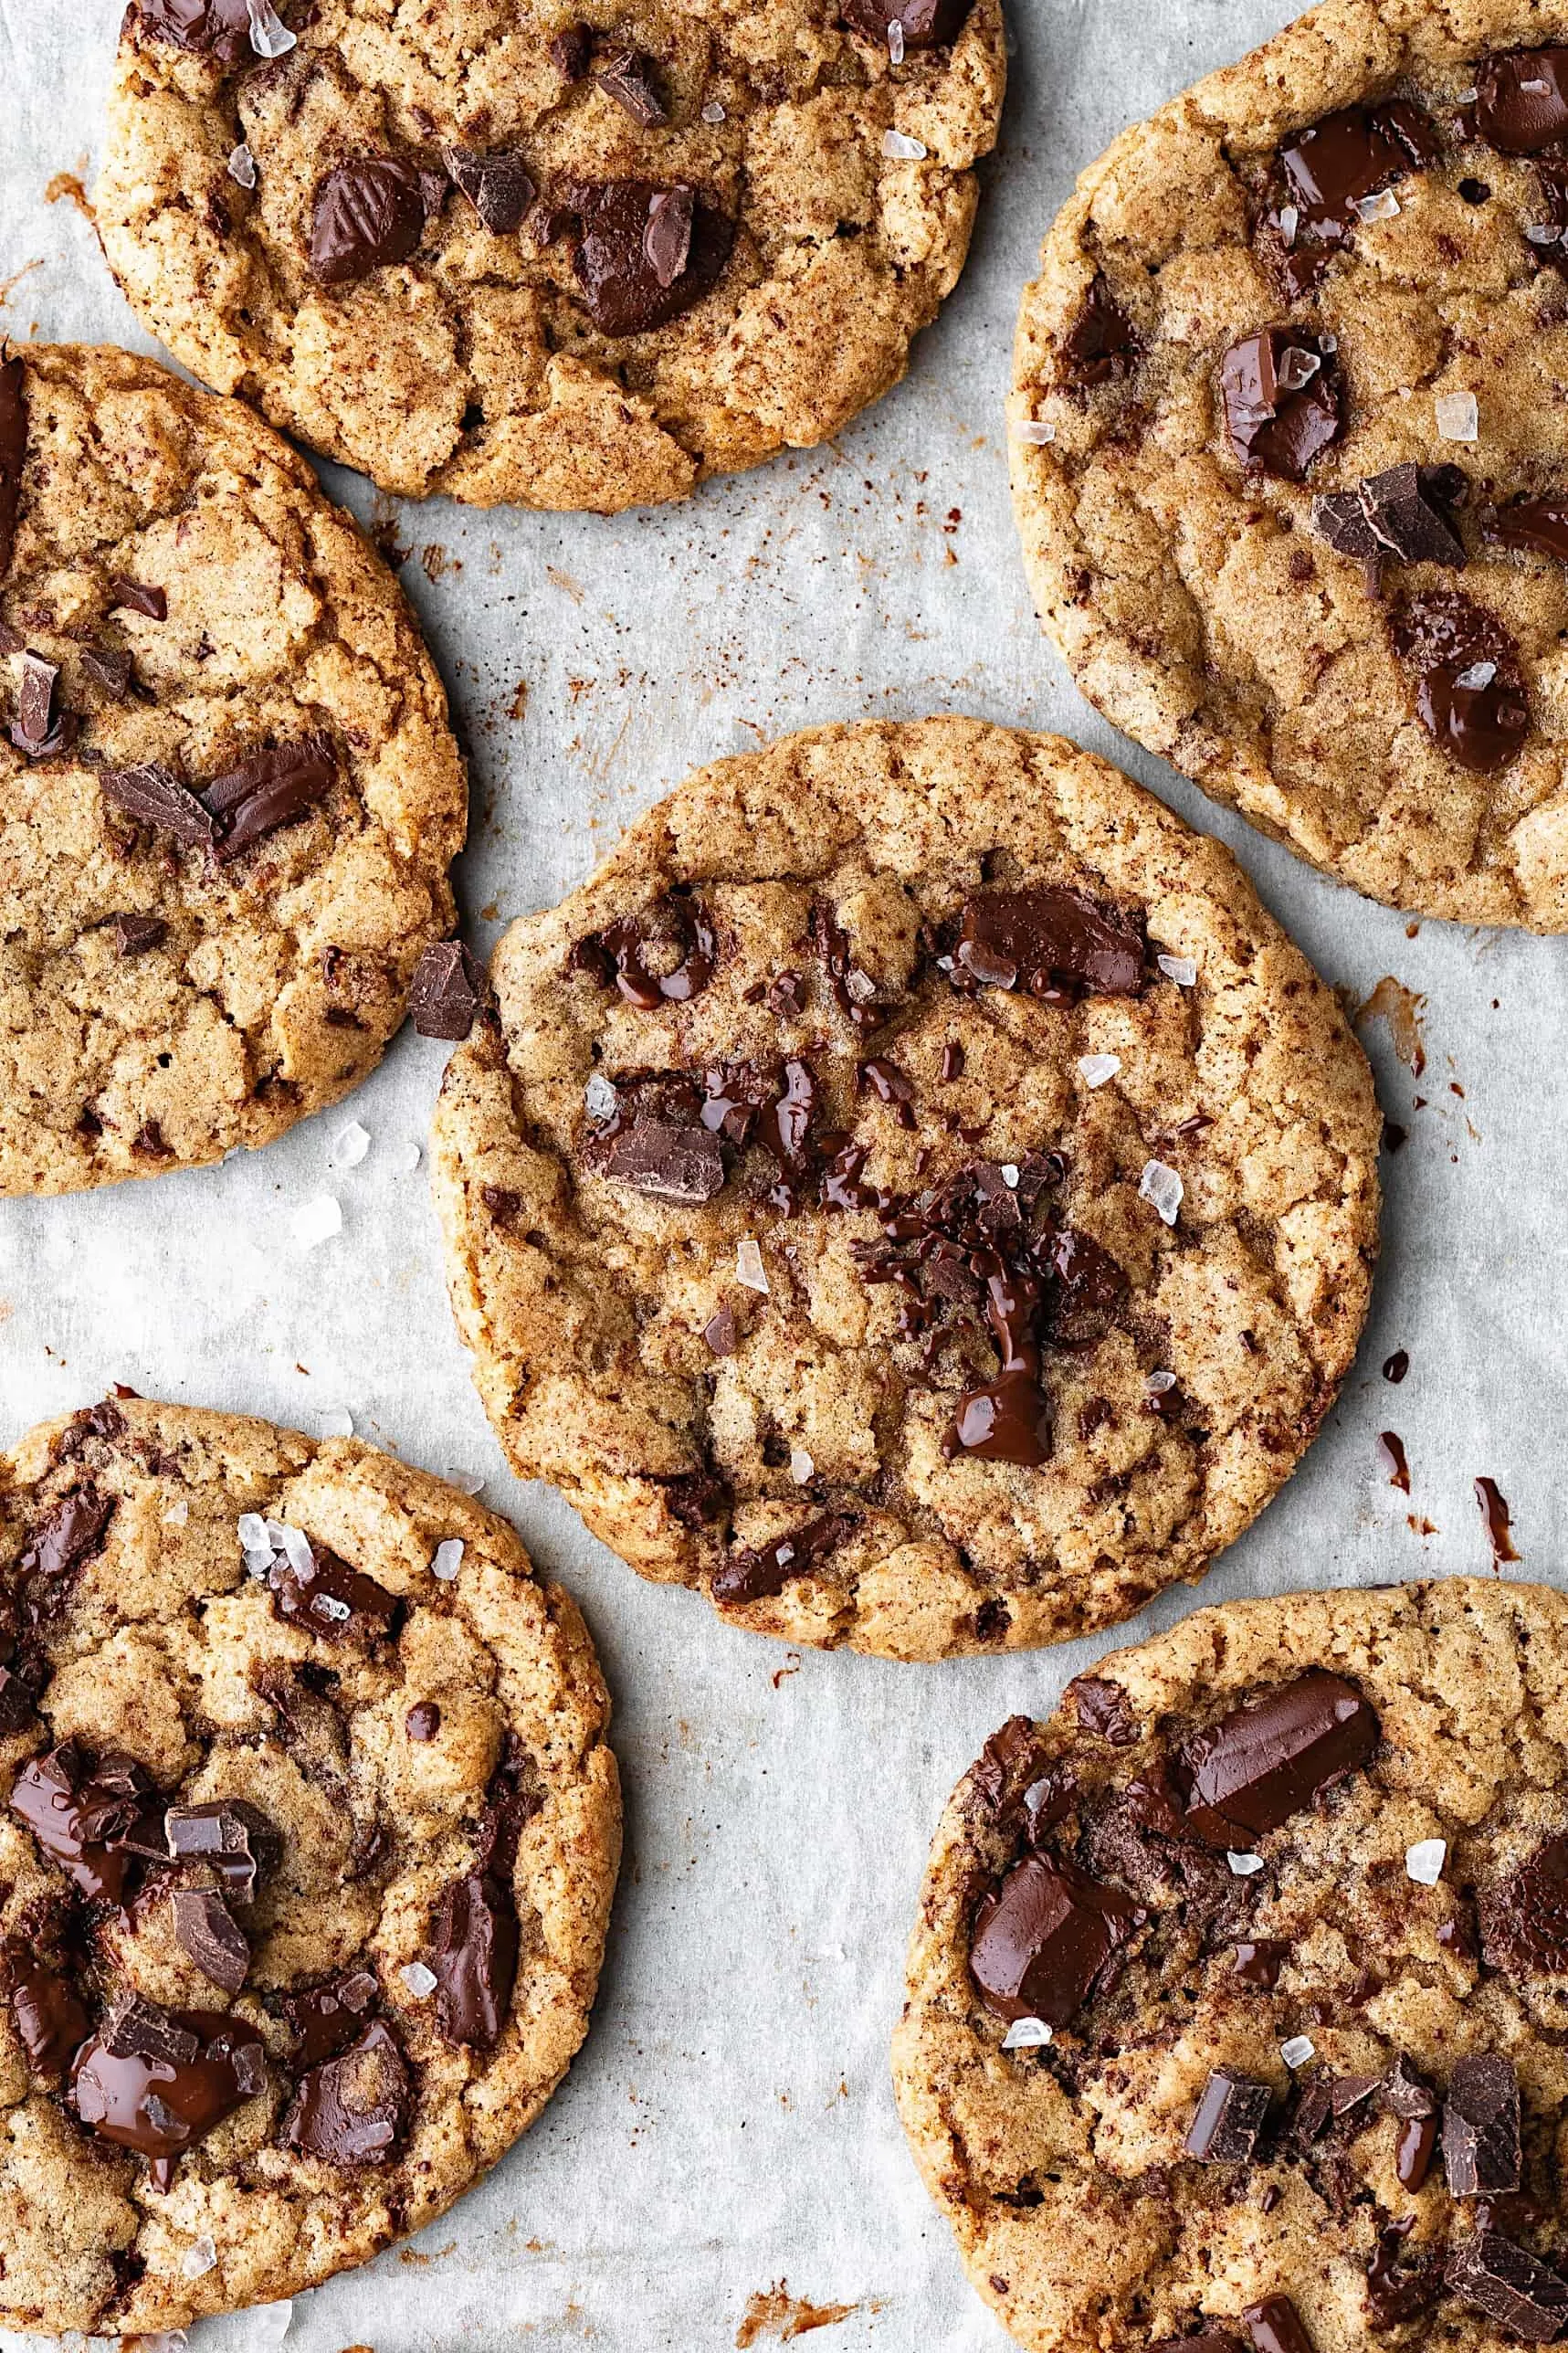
[158,1645]
[586,1301]
[472,368]
[281,974]
[1061,2172]
[1191,599]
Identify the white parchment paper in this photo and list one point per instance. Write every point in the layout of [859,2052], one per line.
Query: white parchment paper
[730,2125]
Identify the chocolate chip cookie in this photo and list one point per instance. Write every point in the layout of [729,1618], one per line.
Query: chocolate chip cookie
[912,1193]
[1287,446]
[529,255]
[307,1858]
[1235,2016]
[229,793]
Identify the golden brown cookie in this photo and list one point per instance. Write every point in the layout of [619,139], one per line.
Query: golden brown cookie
[1287,451]
[1235,2001]
[229,792]
[305,1864]
[518,255]
[913,1193]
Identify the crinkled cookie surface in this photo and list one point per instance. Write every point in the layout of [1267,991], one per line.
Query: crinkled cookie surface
[305,1866]
[914,1194]
[510,255]
[1289,454]
[229,792]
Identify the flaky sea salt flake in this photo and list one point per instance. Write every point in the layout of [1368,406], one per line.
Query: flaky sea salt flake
[448,1559]
[466,1482]
[268,2324]
[1383,206]
[1478,678]
[1458,415]
[1010,1172]
[1245,1865]
[251,1530]
[177,1514]
[1542,233]
[269,36]
[801,1466]
[327,1605]
[1298,2049]
[421,1982]
[200,2257]
[295,1546]
[895,41]
[241,167]
[406,1159]
[1099,1069]
[1181,969]
[1296,368]
[1424,1861]
[1289,222]
[337,1422]
[1036,430]
[350,1148]
[1026,2034]
[900,148]
[712,111]
[749,1267]
[1162,1189]
[317,1221]
[1160,1384]
[600,1096]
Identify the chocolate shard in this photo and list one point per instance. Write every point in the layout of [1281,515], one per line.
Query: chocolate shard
[109,668]
[1231,2114]
[269,789]
[1481,2155]
[474,1956]
[756,1576]
[13,453]
[134,2028]
[667,237]
[133,597]
[1524,1919]
[1539,524]
[154,796]
[230,1833]
[1405,512]
[1275,2327]
[1283,404]
[207,28]
[498,187]
[1468,695]
[1266,1761]
[354,2110]
[671,1163]
[925,24]
[1045,1936]
[1407,2093]
[1202,2340]
[1510,2285]
[1102,1708]
[1090,1288]
[1101,345]
[325,2019]
[36,704]
[571,51]
[1038,938]
[209,1932]
[620,286]
[1521,100]
[1349,2092]
[631,78]
[18,1704]
[447,992]
[366,216]
[136,935]
[50,2019]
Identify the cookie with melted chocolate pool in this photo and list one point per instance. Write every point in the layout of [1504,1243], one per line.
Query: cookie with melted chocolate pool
[1233,2003]
[912,1193]
[1286,451]
[306,1859]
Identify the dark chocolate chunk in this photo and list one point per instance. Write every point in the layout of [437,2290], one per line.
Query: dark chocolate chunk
[53,1796]
[1539,525]
[1275,2327]
[1407,2093]
[366,216]
[667,238]
[1283,405]
[615,957]
[1310,2117]
[159,2101]
[1510,2285]
[50,2020]
[1230,2115]
[722,1333]
[269,789]
[925,24]
[671,1163]
[1045,1936]
[325,2019]
[130,597]
[512,1801]
[1521,100]
[631,78]
[1405,512]
[1259,1960]
[1102,1708]
[330,1598]
[354,2110]
[70,1531]
[207,28]
[754,1576]
[13,453]
[35,706]
[1396,2291]
[1036,938]
[152,795]
[1524,1919]
[1008,1750]
[135,934]
[423,1721]
[109,669]
[1480,2127]
[1090,1288]
[1265,1762]
[1330,170]
[498,187]
[1349,2092]
[230,1833]
[571,51]
[620,287]
[18,1704]
[134,2028]
[474,1956]
[1101,345]
[448,990]
[1468,695]
[209,1932]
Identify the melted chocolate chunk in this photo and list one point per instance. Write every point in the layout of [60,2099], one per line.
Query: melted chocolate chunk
[631,78]
[755,1576]
[1524,1919]
[1266,1761]
[620,285]
[925,24]
[1045,1936]
[1100,346]
[366,216]
[1102,1708]
[1275,2327]
[69,1534]
[325,2019]
[1469,696]
[1480,2127]
[207,28]
[157,2083]
[1510,2285]
[1283,401]
[55,1795]
[1329,170]
[1230,2115]
[423,1721]
[136,935]
[1007,1420]
[511,1801]
[668,1162]
[132,596]
[155,796]
[13,453]
[230,1833]
[1042,938]
[207,1930]
[498,187]
[447,992]
[1407,513]
[1396,2292]
[571,51]
[50,2020]
[1009,1750]
[269,789]
[616,957]
[1259,1960]
[333,1599]
[1521,101]
[474,1956]
[1539,525]
[354,2110]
